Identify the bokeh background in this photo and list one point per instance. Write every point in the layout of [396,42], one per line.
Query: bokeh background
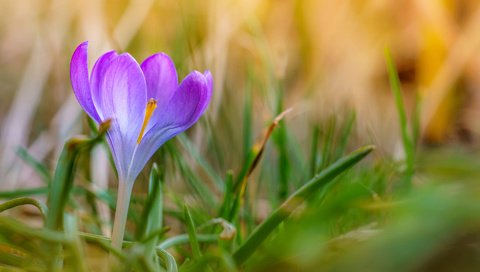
[324,58]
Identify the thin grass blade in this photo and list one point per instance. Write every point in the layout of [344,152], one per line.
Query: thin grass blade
[192,233]
[281,213]
[408,144]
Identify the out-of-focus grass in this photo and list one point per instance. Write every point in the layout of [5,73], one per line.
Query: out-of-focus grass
[322,58]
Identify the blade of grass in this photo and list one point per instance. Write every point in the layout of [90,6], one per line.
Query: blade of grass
[408,145]
[228,195]
[345,135]
[95,222]
[247,120]
[283,163]
[38,166]
[62,185]
[74,244]
[24,192]
[295,200]
[192,233]
[201,190]
[168,259]
[153,211]
[314,150]
[155,234]
[13,257]
[255,155]
[191,150]
[416,119]
[62,182]
[33,233]
[327,148]
[280,140]
[23,201]
[184,238]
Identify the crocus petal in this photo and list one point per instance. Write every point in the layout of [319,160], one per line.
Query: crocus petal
[80,81]
[99,69]
[161,78]
[184,109]
[162,81]
[188,102]
[119,93]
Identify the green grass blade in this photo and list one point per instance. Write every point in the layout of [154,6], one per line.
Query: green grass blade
[404,127]
[297,198]
[228,195]
[416,119]
[247,121]
[345,135]
[7,224]
[153,212]
[255,155]
[24,201]
[192,233]
[202,192]
[280,138]
[328,142]
[74,244]
[184,238]
[62,183]
[314,150]
[155,234]
[168,259]
[24,192]
[191,150]
[38,166]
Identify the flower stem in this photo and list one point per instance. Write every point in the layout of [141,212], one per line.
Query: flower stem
[123,201]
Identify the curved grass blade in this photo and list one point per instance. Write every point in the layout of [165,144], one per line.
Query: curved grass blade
[184,238]
[23,201]
[295,200]
[168,259]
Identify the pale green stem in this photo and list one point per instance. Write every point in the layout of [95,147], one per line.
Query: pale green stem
[121,212]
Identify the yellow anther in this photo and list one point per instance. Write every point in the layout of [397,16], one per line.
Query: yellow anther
[151,106]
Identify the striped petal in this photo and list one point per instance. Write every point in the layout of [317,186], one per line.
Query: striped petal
[80,81]
[162,82]
[119,93]
[184,109]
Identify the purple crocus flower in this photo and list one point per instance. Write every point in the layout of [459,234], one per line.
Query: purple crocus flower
[145,103]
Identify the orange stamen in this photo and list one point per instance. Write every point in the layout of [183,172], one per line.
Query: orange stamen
[151,106]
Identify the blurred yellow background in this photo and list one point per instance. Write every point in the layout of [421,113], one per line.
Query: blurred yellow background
[327,56]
